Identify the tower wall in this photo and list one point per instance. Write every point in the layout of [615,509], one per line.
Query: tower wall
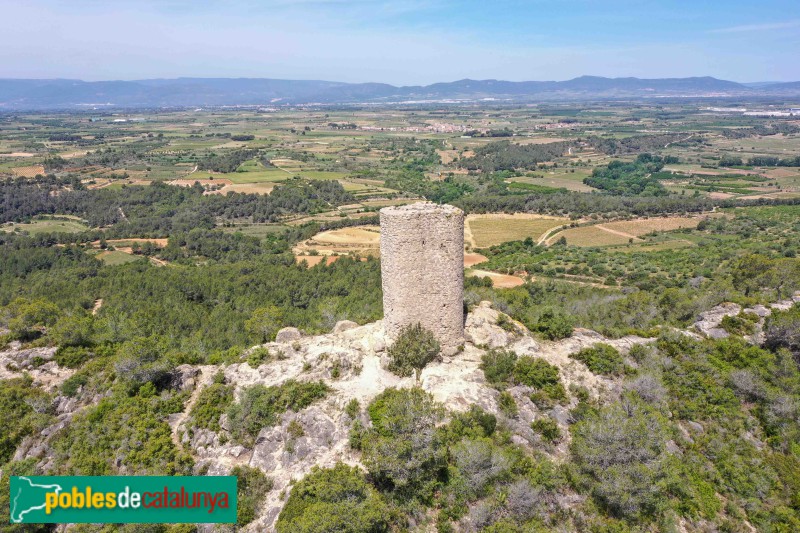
[422,270]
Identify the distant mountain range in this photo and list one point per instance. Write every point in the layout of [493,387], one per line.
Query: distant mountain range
[21,94]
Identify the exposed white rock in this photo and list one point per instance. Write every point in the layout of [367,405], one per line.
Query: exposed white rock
[709,321]
[36,362]
[344,325]
[288,335]
[456,381]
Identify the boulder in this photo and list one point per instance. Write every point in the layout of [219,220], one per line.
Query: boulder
[288,335]
[184,377]
[344,325]
[759,310]
[481,327]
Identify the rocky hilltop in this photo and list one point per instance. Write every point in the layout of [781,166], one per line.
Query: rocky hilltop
[352,361]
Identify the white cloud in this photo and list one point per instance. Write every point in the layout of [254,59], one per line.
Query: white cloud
[768,26]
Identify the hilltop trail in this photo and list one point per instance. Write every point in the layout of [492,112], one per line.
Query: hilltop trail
[201,381]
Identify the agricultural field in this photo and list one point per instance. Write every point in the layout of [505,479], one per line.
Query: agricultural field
[46,225]
[596,234]
[488,230]
[359,241]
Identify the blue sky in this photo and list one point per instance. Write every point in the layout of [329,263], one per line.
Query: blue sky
[401,41]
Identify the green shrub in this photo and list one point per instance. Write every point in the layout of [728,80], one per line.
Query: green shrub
[473,424]
[742,324]
[261,406]
[26,410]
[212,401]
[258,357]
[71,356]
[352,408]
[542,376]
[601,359]
[251,489]
[552,324]
[507,404]
[72,384]
[535,372]
[25,467]
[414,348]
[122,431]
[403,450]
[335,499]
[498,366]
[547,428]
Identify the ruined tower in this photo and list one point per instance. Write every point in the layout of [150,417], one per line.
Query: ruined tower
[422,270]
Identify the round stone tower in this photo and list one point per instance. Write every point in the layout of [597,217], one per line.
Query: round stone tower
[422,270]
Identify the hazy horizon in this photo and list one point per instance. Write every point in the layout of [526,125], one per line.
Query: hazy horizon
[403,42]
[394,84]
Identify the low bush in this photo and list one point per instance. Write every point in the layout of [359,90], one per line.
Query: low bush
[498,367]
[601,359]
[211,403]
[547,428]
[414,348]
[334,499]
[261,406]
[251,489]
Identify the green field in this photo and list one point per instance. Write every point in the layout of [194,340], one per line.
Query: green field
[116,258]
[37,227]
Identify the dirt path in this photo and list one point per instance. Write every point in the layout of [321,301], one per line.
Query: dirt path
[206,371]
[617,232]
[468,237]
[272,162]
[679,141]
[97,305]
[547,234]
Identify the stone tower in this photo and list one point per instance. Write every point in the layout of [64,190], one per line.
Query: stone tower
[422,270]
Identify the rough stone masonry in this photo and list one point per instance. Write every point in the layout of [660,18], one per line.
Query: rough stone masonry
[422,270]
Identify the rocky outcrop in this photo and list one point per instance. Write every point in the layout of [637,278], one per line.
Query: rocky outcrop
[709,321]
[36,362]
[788,303]
[481,327]
[456,381]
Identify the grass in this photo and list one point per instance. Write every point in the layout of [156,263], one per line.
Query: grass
[257,176]
[116,258]
[560,179]
[322,175]
[256,230]
[644,226]
[37,227]
[490,231]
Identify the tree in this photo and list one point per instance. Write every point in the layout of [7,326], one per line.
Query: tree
[403,450]
[782,330]
[414,348]
[619,448]
[265,323]
[28,318]
[334,499]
